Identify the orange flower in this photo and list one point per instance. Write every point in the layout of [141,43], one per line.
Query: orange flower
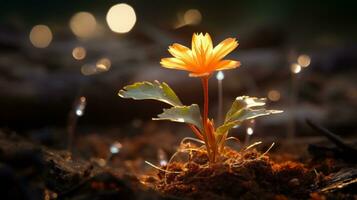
[202,59]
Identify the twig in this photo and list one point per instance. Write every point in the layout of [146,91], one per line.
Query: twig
[333,137]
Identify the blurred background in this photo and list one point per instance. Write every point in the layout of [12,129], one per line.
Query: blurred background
[63,62]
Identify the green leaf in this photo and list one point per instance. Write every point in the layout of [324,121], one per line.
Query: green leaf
[243,108]
[147,90]
[241,103]
[225,127]
[248,113]
[185,114]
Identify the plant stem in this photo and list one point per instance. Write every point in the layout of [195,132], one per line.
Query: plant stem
[208,135]
[205,100]
[196,132]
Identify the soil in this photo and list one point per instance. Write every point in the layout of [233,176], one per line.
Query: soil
[247,174]
[31,171]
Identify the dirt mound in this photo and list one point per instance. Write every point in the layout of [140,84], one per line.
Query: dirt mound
[247,174]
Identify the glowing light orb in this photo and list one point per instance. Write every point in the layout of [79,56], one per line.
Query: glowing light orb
[274,95]
[250,131]
[163,163]
[220,76]
[79,112]
[192,16]
[81,106]
[103,64]
[121,18]
[295,68]
[115,147]
[79,53]
[304,60]
[40,36]
[88,69]
[162,157]
[83,24]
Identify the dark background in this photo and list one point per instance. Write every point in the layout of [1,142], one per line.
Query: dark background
[39,86]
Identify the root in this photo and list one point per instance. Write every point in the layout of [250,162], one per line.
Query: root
[158,168]
[191,139]
[271,146]
[253,145]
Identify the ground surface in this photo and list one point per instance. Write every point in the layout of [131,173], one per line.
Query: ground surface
[32,171]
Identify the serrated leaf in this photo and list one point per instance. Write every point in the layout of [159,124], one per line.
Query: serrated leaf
[147,90]
[185,114]
[243,108]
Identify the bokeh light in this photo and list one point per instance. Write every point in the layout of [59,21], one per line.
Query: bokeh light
[220,76]
[274,95]
[250,131]
[79,53]
[162,157]
[103,64]
[304,60]
[121,18]
[192,17]
[88,69]
[295,68]
[83,24]
[116,147]
[81,106]
[41,36]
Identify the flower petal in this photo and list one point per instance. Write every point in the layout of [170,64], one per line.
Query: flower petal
[196,40]
[224,48]
[173,63]
[227,64]
[202,59]
[181,52]
[202,48]
[197,49]
[208,49]
[208,46]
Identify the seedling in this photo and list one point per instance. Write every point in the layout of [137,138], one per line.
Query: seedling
[201,61]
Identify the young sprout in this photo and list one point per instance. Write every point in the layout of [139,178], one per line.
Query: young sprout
[81,106]
[249,132]
[220,77]
[114,149]
[201,61]
[162,157]
[76,112]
